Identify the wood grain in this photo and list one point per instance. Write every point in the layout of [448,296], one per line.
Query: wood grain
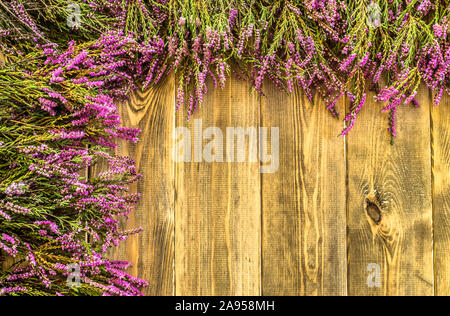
[304,211]
[441,185]
[152,252]
[389,203]
[6,262]
[218,213]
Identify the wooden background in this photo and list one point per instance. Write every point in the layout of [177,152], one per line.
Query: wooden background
[335,206]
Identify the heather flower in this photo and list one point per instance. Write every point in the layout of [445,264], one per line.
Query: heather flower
[55,165]
[16,189]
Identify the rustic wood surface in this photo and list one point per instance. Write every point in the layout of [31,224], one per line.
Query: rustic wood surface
[341,216]
[390,203]
[304,211]
[6,262]
[441,176]
[152,252]
[217,207]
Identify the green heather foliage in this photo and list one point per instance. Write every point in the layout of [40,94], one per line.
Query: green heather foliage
[67,61]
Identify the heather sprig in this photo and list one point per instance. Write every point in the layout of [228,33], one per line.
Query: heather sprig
[56,122]
[333,47]
[336,48]
[22,22]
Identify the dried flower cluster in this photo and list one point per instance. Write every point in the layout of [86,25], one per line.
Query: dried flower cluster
[61,78]
[58,119]
[338,48]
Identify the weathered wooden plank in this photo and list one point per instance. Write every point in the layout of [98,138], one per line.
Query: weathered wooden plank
[304,210]
[6,262]
[441,183]
[2,260]
[389,203]
[217,207]
[152,252]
